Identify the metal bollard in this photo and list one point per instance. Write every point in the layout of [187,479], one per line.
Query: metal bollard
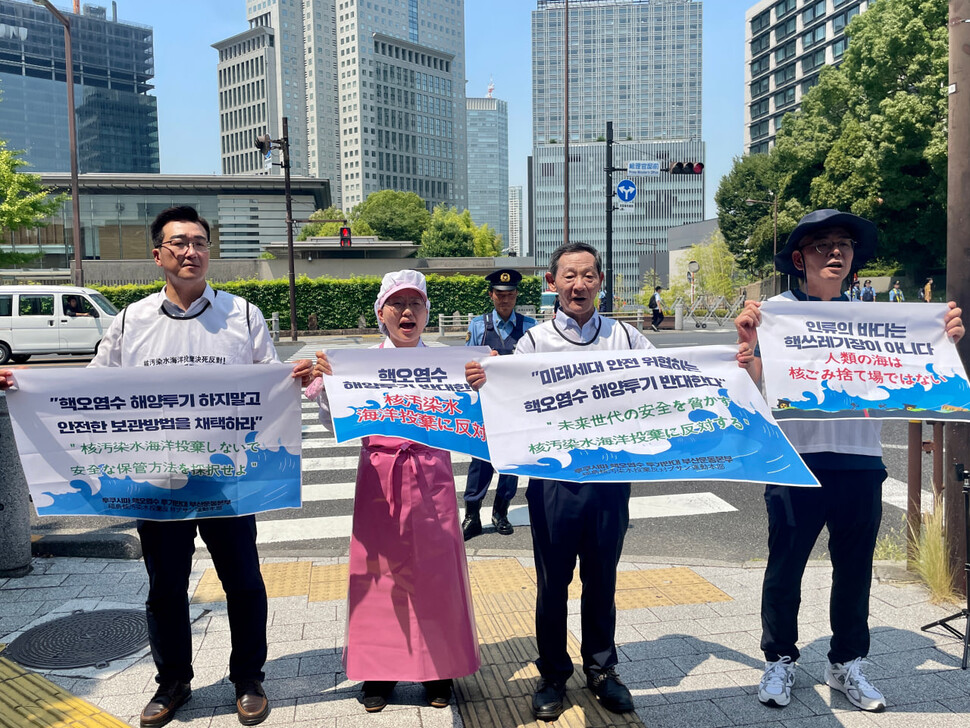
[14,503]
[441,322]
[275,328]
[679,316]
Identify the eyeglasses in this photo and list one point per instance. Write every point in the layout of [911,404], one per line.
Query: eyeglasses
[826,247]
[415,304]
[181,245]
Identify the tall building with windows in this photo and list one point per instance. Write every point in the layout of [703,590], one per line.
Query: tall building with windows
[488,163]
[373,91]
[787,44]
[117,119]
[636,63]
[515,220]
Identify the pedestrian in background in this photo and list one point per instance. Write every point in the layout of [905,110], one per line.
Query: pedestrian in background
[656,306]
[896,294]
[928,290]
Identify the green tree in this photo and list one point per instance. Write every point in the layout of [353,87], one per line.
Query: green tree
[24,203]
[332,229]
[488,243]
[451,234]
[719,274]
[394,215]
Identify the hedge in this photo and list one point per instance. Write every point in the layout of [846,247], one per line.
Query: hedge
[338,304]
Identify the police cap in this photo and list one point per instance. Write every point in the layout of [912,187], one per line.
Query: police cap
[504,279]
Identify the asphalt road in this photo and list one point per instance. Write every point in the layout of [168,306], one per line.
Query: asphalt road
[734,535]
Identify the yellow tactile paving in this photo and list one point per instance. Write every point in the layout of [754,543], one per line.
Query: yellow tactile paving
[283,579]
[29,701]
[328,583]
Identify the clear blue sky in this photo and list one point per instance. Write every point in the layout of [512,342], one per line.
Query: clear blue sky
[497,44]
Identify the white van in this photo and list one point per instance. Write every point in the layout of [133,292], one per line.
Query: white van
[51,320]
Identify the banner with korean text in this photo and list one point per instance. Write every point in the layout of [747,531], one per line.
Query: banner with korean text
[164,443]
[839,360]
[685,414]
[418,393]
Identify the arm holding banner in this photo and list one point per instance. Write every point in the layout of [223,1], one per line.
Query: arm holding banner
[953,322]
[475,373]
[747,325]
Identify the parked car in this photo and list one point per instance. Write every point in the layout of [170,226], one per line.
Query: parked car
[51,320]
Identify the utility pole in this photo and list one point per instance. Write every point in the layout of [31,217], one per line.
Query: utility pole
[957,263]
[565,124]
[610,169]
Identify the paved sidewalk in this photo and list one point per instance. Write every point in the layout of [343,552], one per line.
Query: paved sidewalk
[687,633]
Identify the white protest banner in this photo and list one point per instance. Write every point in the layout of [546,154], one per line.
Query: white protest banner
[684,414]
[159,443]
[418,393]
[839,360]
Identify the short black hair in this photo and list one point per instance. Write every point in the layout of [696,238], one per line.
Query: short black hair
[567,248]
[658,288]
[179,213]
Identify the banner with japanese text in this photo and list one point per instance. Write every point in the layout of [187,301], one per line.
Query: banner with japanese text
[417,393]
[839,360]
[684,414]
[159,443]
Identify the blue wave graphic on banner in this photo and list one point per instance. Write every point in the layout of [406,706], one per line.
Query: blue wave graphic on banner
[271,481]
[445,437]
[757,453]
[950,398]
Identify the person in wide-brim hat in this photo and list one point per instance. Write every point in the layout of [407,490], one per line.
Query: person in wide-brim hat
[862,232]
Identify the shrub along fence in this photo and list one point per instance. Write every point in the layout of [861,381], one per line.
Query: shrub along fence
[338,304]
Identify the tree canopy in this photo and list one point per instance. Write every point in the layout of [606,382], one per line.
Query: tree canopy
[869,138]
[393,215]
[332,229]
[453,234]
[24,203]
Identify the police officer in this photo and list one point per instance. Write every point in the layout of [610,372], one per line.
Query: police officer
[499,330]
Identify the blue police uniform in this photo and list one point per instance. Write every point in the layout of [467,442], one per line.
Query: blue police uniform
[501,336]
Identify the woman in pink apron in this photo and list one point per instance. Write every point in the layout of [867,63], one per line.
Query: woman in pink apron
[409,612]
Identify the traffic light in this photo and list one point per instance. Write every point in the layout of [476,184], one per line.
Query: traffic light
[686,168]
[264,144]
[345,240]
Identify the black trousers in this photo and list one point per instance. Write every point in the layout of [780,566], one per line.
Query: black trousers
[849,504]
[480,476]
[571,520]
[168,547]
[658,317]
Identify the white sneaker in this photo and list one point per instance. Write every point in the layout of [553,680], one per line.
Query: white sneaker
[849,678]
[775,687]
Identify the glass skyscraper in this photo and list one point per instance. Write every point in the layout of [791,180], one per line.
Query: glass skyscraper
[636,63]
[117,119]
[488,163]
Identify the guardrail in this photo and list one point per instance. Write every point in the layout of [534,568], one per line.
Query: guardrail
[453,321]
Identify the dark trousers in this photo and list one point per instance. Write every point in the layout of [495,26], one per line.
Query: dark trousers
[479,478]
[168,547]
[658,317]
[849,503]
[571,520]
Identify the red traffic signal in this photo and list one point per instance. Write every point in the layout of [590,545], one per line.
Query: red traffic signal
[686,168]
[345,240]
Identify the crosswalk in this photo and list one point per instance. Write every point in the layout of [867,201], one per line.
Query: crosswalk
[329,471]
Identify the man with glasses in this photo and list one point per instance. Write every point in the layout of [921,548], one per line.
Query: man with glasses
[188,323]
[846,456]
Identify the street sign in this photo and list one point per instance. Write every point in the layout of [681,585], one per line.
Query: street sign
[268,161]
[626,190]
[643,169]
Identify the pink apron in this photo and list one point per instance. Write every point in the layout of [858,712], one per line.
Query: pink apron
[409,614]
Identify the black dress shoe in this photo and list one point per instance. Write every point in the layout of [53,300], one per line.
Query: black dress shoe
[252,707]
[376,693]
[612,693]
[547,701]
[167,700]
[471,527]
[500,517]
[438,693]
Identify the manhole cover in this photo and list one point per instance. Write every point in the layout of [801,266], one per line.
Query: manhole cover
[82,639]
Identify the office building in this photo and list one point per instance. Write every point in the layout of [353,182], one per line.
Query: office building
[515,221]
[788,42]
[246,214]
[488,163]
[373,91]
[117,119]
[638,65]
